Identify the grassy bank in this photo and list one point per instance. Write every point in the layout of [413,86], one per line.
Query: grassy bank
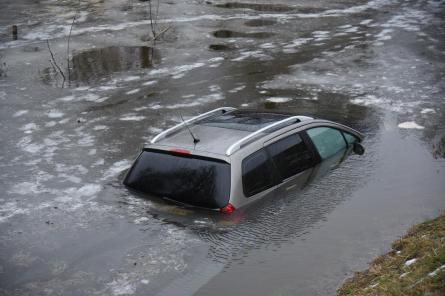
[414,266]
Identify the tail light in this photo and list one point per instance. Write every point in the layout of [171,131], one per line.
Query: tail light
[228,209]
[180,151]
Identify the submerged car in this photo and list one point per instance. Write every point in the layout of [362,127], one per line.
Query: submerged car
[228,158]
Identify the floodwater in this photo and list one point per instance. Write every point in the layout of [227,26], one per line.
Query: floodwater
[69,227]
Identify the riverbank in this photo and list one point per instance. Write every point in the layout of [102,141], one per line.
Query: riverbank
[414,266]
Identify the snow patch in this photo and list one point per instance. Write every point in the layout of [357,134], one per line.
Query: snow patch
[410,262]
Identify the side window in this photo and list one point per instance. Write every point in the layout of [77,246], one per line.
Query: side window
[328,141]
[290,155]
[256,173]
[350,138]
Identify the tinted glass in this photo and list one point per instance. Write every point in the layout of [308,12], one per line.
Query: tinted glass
[198,182]
[290,155]
[351,139]
[256,173]
[328,141]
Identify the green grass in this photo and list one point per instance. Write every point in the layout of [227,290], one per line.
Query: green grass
[389,275]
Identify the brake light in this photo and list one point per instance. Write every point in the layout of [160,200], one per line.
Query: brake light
[180,151]
[228,209]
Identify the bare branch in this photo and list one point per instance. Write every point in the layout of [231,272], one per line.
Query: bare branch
[55,63]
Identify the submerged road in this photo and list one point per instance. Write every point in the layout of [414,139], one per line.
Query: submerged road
[69,227]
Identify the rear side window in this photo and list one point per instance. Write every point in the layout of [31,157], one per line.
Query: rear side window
[257,175]
[200,182]
[290,155]
[328,141]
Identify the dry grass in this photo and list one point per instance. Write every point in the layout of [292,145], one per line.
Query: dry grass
[390,275]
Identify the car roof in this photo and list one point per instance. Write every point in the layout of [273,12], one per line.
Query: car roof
[220,129]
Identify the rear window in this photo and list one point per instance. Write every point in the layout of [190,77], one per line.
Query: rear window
[201,182]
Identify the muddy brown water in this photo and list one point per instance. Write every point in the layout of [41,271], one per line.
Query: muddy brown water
[68,226]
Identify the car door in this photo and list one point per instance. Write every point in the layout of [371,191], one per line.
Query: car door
[293,159]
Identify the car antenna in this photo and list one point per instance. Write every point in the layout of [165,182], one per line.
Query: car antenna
[195,140]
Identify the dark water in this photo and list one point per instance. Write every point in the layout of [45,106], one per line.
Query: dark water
[67,225]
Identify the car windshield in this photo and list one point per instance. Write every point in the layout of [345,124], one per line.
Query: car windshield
[202,182]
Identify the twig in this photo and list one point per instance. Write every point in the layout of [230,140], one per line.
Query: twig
[68,44]
[162,32]
[55,63]
[153,29]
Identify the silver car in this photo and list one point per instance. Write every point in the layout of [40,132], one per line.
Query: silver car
[228,158]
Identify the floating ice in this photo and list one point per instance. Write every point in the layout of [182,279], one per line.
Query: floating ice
[131,78]
[237,89]
[20,113]
[141,220]
[9,210]
[132,118]
[122,286]
[151,82]
[410,125]
[29,128]
[427,111]
[55,114]
[366,22]
[134,91]
[116,168]
[279,99]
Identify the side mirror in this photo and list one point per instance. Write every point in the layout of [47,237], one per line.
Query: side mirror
[358,149]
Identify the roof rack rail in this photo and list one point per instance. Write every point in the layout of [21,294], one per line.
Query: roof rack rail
[191,120]
[237,145]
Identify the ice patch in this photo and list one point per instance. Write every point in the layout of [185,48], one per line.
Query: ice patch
[89,190]
[50,123]
[66,99]
[410,125]
[116,168]
[257,54]
[29,128]
[132,118]
[20,113]
[217,59]
[267,45]
[131,78]
[100,127]
[131,92]
[237,89]
[141,220]
[122,286]
[151,82]
[9,210]
[427,111]
[279,99]
[55,114]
